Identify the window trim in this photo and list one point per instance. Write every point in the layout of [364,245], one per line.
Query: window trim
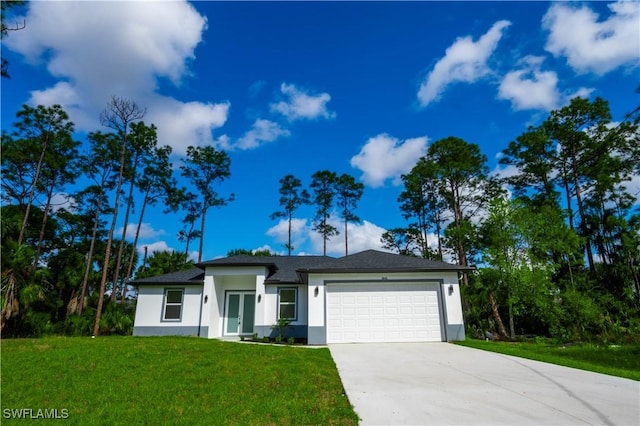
[294,303]
[166,303]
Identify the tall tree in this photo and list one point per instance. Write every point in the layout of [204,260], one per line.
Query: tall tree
[422,201]
[519,243]
[579,153]
[348,193]
[291,197]
[119,115]
[323,194]
[204,166]
[61,167]
[155,183]
[38,127]
[404,241]
[465,187]
[100,165]
[142,141]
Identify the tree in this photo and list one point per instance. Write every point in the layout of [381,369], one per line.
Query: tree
[100,166]
[142,141]
[61,167]
[422,200]
[462,173]
[36,129]
[579,153]
[204,166]
[164,262]
[6,4]
[119,115]
[290,199]
[519,245]
[348,193]
[246,252]
[323,194]
[404,241]
[155,183]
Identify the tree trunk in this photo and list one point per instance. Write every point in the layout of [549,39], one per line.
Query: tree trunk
[289,243]
[133,251]
[107,254]
[116,272]
[204,214]
[346,239]
[496,316]
[33,190]
[45,217]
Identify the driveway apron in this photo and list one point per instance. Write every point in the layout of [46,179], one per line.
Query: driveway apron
[446,384]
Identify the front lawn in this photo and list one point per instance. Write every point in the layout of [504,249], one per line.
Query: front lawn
[172,380]
[615,360]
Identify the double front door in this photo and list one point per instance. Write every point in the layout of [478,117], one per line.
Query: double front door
[240,309]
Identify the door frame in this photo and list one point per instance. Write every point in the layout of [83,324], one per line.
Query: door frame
[225,318]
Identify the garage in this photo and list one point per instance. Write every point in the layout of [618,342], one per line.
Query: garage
[383,312]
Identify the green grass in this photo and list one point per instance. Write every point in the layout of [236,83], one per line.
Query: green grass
[173,380]
[615,360]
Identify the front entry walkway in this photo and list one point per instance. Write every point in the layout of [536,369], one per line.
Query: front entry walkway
[445,384]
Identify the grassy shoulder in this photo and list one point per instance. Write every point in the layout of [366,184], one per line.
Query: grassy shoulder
[615,360]
[177,380]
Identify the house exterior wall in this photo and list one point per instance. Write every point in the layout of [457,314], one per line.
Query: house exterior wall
[150,311]
[298,328]
[217,281]
[451,315]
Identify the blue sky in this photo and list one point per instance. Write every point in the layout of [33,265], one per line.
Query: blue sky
[297,87]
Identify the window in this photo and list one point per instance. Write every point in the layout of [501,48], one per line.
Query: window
[287,303]
[173,304]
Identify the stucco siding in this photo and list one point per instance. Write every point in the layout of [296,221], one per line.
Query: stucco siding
[150,306]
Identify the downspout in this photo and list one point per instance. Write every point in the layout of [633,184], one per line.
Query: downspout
[201,307]
[443,301]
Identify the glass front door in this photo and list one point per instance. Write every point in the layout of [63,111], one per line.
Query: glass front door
[239,310]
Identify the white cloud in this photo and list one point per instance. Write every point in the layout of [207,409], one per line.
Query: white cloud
[181,124]
[299,232]
[151,248]
[632,187]
[362,236]
[300,104]
[591,45]
[263,131]
[62,200]
[464,61]
[100,49]
[385,157]
[146,231]
[529,87]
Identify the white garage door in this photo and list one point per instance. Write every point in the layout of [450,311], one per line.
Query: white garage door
[373,312]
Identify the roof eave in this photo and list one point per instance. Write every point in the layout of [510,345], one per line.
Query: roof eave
[388,270]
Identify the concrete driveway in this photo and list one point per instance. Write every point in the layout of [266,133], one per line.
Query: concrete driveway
[446,384]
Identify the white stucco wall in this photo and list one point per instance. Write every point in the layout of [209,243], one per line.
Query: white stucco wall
[219,280]
[150,305]
[271,304]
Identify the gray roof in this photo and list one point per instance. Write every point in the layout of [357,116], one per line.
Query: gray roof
[190,276]
[282,269]
[374,261]
[289,269]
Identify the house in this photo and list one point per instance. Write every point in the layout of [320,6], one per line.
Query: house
[365,297]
